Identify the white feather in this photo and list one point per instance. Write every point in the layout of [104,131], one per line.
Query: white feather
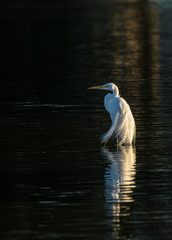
[123,124]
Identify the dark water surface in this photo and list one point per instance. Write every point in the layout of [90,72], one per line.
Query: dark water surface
[57,181]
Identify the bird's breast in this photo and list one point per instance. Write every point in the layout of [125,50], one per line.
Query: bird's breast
[108,101]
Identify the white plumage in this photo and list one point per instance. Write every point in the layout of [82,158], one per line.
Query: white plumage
[123,124]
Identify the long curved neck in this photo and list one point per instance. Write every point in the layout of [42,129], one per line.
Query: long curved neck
[115,92]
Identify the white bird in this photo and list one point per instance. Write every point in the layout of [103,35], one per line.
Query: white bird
[123,125]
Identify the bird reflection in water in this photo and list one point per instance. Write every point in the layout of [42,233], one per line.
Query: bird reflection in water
[119,182]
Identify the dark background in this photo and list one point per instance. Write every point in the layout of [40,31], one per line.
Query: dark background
[57,182]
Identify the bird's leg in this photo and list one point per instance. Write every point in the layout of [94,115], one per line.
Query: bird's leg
[117,143]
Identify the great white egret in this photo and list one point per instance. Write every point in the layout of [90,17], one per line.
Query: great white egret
[123,125]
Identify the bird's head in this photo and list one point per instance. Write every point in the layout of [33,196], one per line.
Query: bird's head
[109,87]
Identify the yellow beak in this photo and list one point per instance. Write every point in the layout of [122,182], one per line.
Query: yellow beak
[97,87]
